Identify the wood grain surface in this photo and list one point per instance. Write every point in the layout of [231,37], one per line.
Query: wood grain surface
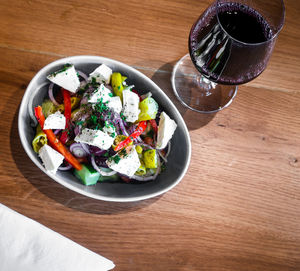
[237,208]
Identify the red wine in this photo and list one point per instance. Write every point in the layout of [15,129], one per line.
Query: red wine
[230,43]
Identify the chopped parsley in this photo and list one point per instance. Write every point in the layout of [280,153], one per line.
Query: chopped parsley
[123,152]
[94,82]
[94,119]
[78,123]
[101,107]
[122,116]
[116,158]
[98,127]
[81,91]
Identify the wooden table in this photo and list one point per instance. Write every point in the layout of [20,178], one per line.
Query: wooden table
[237,208]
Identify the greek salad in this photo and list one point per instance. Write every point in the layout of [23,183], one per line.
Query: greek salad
[100,127]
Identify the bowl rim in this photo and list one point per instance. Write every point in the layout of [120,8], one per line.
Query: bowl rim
[100,59]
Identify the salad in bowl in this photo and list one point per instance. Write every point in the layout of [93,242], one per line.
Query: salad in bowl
[99,126]
[135,159]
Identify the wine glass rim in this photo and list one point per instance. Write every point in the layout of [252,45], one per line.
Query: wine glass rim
[256,43]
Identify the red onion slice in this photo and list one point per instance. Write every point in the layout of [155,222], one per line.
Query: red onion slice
[102,172]
[162,157]
[83,75]
[56,131]
[96,151]
[139,140]
[50,93]
[64,168]
[109,87]
[78,150]
[84,100]
[169,149]
[122,127]
[77,130]
[85,147]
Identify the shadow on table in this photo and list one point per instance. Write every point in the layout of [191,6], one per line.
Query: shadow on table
[193,120]
[59,193]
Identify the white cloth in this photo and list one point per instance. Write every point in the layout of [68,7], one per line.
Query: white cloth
[26,245]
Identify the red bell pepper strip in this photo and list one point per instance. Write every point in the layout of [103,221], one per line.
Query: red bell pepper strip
[138,131]
[64,136]
[67,104]
[56,144]
[154,125]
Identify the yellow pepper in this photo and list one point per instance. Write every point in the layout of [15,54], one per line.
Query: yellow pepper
[141,170]
[117,83]
[39,140]
[149,108]
[74,115]
[150,159]
[48,108]
[75,101]
[139,149]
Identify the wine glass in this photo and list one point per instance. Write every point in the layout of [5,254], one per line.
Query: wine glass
[229,44]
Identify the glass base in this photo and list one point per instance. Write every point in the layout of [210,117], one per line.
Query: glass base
[198,93]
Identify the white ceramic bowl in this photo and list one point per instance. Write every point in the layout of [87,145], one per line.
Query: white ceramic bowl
[179,157]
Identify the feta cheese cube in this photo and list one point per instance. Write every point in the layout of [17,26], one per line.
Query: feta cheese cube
[96,138]
[130,105]
[166,129]
[101,74]
[101,92]
[115,104]
[55,121]
[126,164]
[51,158]
[66,78]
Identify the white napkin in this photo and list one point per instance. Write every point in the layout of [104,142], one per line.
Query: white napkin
[26,245]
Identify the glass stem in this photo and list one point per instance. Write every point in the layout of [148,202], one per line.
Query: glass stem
[205,84]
